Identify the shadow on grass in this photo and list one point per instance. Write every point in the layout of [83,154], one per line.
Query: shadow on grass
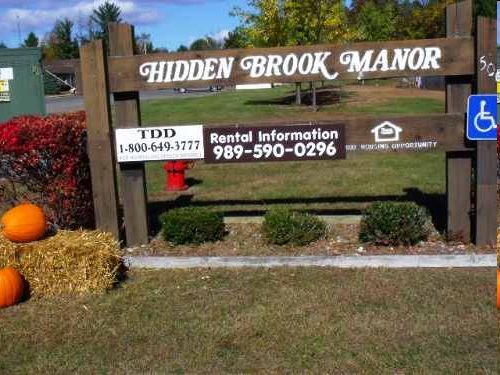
[435,204]
[323,97]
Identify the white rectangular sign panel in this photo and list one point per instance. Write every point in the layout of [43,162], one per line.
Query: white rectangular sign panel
[6,74]
[159,143]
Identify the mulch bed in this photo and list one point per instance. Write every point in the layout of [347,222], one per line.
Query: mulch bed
[246,239]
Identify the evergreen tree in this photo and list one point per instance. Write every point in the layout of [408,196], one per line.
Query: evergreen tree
[31,40]
[106,12]
[64,46]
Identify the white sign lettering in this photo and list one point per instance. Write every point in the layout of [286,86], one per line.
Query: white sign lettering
[303,64]
[414,59]
[409,146]
[187,70]
[159,143]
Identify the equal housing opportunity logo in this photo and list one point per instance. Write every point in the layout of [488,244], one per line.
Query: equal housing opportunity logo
[388,136]
[386,132]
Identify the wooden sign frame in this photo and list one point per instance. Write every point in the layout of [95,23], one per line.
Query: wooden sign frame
[456,57]
[438,57]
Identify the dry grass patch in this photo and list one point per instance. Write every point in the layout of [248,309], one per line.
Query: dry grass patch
[259,321]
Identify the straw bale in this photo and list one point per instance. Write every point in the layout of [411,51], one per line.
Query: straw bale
[70,262]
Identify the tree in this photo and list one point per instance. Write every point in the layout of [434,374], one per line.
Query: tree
[485,8]
[357,5]
[143,44]
[377,22]
[182,48]
[425,20]
[85,29]
[3,45]
[106,12]
[238,38]
[265,24]
[204,44]
[65,47]
[271,23]
[318,21]
[31,40]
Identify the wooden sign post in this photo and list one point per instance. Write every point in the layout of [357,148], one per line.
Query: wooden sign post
[99,137]
[128,115]
[125,74]
[458,162]
[485,218]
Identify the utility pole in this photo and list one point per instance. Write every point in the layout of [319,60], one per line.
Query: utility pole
[18,31]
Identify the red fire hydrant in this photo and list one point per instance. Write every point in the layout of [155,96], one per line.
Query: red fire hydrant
[175,174]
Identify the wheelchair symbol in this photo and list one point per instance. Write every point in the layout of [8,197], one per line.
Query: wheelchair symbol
[485,118]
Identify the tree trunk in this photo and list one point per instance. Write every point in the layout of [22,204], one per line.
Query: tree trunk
[298,95]
[313,87]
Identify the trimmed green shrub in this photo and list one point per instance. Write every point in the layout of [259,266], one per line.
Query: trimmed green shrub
[192,225]
[394,223]
[282,226]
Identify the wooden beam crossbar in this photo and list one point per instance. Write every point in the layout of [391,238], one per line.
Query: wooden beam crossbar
[390,133]
[425,57]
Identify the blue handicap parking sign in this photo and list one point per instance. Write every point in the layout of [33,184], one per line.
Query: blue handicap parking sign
[482,118]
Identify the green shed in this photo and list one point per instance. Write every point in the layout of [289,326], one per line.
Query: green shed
[21,83]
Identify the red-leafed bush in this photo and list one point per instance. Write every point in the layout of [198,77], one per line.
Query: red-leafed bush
[45,159]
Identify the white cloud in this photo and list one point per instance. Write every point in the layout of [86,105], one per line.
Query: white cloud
[220,35]
[43,18]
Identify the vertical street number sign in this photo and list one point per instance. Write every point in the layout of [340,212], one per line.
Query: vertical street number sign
[159,143]
[482,118]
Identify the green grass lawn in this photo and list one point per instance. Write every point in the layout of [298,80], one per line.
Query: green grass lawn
[345,186]
[329,187]
[229,106]
[419,321]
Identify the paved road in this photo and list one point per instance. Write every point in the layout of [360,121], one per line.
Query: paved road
[70,103]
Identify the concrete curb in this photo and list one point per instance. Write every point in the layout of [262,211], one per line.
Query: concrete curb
[374,261]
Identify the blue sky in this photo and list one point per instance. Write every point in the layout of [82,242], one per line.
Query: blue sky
[170,22]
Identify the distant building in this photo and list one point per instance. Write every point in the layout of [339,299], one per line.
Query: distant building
[433,83]
[67,70]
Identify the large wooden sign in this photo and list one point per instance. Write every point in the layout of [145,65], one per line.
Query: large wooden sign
[292,64]
[280,141]
[462,59]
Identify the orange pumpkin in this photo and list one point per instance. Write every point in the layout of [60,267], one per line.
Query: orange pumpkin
[11,287]
[24,223]
[498,289]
